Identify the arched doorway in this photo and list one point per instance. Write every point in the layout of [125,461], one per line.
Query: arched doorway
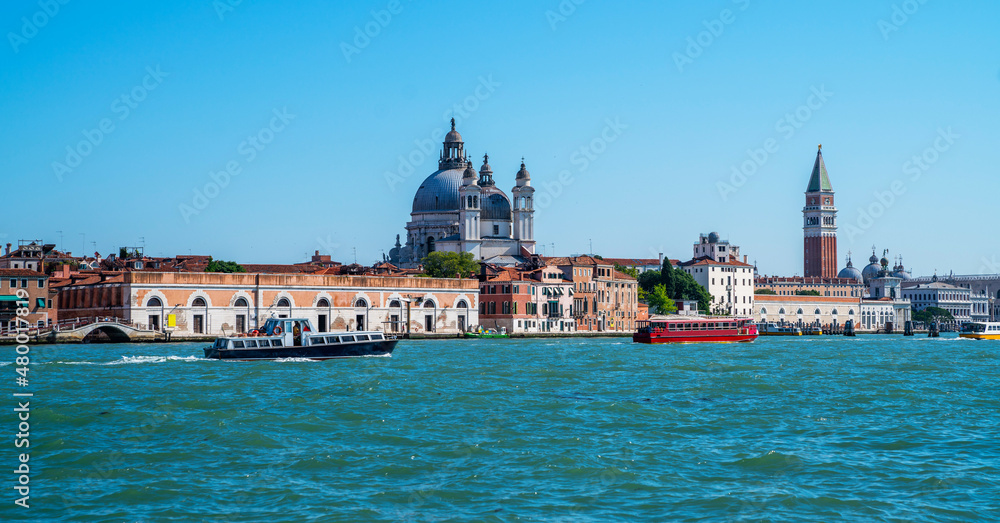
[242,307]
[154,312]
[284,308]
[429,324]
[323,315]
[199,323]
[463,313]
[361,313]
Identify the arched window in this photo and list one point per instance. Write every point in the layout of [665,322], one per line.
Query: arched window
[817,312]
[834,312]
[395,304]
[850,312]
[799,312]
[323,302]
[782,311]
[361,303]
[283,302]
[154,302]
[462,304]
[429,304]
[763,311]
[241,302]
[198,302]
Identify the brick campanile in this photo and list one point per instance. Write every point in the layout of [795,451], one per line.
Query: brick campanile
[819,224]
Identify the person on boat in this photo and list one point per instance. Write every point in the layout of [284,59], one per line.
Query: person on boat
[297,333]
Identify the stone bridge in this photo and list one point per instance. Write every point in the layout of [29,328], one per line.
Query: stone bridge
[108,331]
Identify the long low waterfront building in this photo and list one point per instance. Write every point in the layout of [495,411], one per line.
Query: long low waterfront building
[209,304]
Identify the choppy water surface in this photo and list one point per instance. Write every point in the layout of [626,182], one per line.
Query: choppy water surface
[820,429]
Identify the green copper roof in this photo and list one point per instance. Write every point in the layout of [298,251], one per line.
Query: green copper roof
[820,180]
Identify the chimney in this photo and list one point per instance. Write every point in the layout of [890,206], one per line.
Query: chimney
[744,258]
[661,258]
[8,249]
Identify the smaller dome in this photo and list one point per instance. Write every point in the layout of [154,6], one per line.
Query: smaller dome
[851,272]
[523,174]
[486,164]
[713,237]
[873,259]
[902,274]
[870,272]
[469,171]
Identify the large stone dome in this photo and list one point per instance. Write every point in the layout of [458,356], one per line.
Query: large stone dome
[439,192]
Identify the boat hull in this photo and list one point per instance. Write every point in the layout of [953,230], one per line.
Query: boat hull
[311,352]
[781,334]
[972,336]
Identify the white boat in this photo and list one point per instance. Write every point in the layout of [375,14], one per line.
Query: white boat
[988,330]
[295,338]
[773,329]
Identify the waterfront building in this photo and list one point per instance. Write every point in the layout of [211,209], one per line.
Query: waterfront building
[803,310]
[819,223]
[978,284]
[211,304]
[33,255]
[981,304]
[42,304]
[605,299]
[952,298]
[534,301]
[797,285]
[717,268]
[456,210]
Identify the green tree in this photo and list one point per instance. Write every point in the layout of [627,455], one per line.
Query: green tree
[668,277]
[932,314]
[450,264]
[631,271]
[764,291]
[648,280]
[807,293]
[659,302]
[223,266]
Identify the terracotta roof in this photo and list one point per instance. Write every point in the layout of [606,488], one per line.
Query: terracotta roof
[27,273]
[623,276]
[706,260]
[636,262]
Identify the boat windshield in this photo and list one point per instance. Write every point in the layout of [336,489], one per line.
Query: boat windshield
[976,327]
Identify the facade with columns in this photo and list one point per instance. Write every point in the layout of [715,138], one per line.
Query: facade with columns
[456,209]
[210,304]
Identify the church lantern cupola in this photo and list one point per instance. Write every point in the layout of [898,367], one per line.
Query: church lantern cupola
[453,152]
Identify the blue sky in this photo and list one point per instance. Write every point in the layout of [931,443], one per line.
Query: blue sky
[644,124]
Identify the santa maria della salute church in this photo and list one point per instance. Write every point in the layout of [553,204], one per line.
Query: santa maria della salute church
[458,210]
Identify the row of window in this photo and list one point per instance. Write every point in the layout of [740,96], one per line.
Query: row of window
[283,303]
[24,283]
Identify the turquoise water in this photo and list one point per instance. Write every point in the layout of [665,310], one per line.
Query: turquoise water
[810,429]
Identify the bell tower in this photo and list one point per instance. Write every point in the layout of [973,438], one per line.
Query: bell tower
[524,209]
[819,224]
